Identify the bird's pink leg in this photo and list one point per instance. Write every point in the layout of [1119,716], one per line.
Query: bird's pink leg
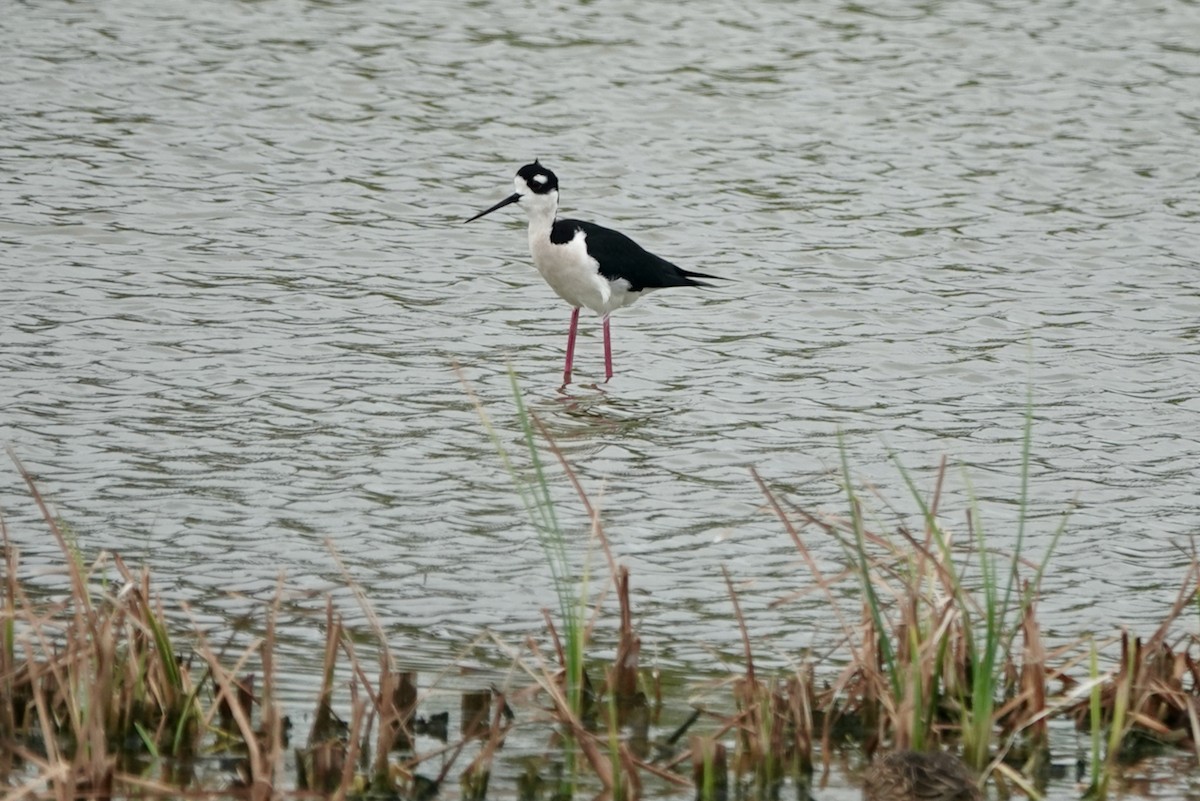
[608,371]
[571,346]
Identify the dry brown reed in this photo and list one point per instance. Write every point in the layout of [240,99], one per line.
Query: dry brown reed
[1153,696]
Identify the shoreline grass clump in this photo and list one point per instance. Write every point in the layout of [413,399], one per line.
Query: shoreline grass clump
[933,657]
[97,701]
[105,692]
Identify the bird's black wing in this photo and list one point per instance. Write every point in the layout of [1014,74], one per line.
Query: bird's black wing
[621,257]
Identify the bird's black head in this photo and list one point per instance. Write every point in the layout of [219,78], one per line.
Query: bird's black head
[539,179]
[536,186]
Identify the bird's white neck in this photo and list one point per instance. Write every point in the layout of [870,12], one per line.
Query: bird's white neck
[541,210]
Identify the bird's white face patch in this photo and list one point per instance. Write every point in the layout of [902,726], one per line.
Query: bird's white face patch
[540,179]
[539,205]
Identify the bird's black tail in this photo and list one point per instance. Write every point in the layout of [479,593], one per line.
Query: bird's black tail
[692,276]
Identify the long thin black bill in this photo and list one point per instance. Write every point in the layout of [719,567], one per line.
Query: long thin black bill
[513,198]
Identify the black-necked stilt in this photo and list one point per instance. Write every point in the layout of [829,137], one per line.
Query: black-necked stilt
[587,264]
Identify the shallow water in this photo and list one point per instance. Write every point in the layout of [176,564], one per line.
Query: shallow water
[236,286]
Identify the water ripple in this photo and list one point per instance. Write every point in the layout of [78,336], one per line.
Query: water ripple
[237,284]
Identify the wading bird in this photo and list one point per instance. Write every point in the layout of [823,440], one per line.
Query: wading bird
[587,264]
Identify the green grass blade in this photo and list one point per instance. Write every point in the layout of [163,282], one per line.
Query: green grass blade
[874,605]
[146,739]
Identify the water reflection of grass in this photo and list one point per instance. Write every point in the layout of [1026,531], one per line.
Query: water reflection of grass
[940,650]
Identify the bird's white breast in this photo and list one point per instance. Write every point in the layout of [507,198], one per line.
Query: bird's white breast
[575,275]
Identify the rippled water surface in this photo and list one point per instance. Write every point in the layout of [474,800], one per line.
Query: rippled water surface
[236,284]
